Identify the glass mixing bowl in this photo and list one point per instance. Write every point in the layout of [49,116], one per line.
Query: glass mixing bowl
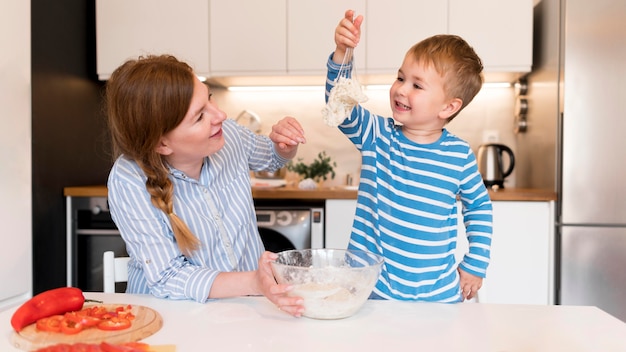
[334,283]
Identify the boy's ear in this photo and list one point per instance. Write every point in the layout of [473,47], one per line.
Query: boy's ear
[451,108]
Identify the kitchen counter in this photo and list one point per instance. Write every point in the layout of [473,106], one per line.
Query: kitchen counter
[291,192]
[255,324]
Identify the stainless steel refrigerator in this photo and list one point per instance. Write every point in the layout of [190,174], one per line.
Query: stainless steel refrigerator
[592,209]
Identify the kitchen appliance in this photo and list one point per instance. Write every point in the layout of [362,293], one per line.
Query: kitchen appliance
[249,119]
[491,165]
[591,220]
[92,232]
[285,228]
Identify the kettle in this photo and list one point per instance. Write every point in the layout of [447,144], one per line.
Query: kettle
[490,164]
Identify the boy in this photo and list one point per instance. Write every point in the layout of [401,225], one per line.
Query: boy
[413,170]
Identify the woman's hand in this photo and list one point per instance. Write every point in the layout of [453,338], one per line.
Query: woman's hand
[347,35]
[277,293]
[287,134]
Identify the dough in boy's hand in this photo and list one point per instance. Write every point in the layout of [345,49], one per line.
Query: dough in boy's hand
[343,97]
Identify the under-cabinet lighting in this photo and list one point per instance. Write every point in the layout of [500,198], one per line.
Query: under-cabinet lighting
[319,88]
[378,87]
[497,85]
[275,88]
[485,85]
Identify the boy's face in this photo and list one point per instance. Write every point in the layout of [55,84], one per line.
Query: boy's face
[418,99]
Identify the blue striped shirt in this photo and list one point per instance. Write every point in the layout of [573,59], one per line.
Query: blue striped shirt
[407,207]
[218,208]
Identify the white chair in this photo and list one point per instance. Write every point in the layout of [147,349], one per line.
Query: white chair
[113,270]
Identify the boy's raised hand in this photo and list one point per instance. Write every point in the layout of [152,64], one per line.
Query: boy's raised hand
[347,35]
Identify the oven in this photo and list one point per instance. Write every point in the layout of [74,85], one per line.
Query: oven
[90,233]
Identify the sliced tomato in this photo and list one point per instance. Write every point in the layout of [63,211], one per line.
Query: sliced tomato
[51,323]
[114,323]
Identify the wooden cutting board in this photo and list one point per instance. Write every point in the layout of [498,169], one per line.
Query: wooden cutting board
[147,321]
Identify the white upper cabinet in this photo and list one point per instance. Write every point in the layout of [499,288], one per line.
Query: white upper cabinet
[394,26]
[248,37]
[129,28]
[270,41]
[501,32]
[311,34]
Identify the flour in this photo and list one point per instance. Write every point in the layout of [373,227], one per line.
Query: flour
[344,96]
[329,301]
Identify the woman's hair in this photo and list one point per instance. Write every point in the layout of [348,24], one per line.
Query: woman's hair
[147,98]
[455,60]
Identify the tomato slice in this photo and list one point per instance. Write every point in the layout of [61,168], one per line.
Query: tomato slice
[51,323]
[114,323]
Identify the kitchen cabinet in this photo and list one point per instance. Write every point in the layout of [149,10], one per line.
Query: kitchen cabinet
[130,28]
[501,32]
[266,42]
[521,270]
[394,26]
[339,216]
[311,30]
[248,37]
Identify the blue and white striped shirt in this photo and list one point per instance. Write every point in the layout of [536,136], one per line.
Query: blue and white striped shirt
[218,209]
[407,207]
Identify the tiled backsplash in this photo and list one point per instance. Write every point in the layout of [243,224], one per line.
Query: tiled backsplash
[491,109]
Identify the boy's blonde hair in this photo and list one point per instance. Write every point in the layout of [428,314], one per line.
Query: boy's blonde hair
[454,60]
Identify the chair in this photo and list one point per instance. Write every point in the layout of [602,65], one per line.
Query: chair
[113,270]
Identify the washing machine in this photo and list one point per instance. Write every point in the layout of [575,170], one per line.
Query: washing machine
[288,228]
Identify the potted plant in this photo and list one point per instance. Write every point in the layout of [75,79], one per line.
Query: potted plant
[318,171]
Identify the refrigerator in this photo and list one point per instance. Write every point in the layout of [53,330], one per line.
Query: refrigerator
[591,217]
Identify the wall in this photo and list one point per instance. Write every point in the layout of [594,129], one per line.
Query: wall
[15,153]
[492,109]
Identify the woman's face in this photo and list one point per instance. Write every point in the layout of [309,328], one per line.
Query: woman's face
[198,135]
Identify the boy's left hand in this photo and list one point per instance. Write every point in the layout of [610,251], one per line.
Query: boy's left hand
[470,284]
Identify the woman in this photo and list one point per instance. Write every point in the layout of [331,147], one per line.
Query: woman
[179,191]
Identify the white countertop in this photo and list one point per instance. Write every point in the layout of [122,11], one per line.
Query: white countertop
[254,324]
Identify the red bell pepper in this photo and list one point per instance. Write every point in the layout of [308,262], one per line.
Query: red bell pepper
[52,302]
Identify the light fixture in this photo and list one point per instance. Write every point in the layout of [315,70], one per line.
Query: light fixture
[485,85]
[274,88]
[497,85]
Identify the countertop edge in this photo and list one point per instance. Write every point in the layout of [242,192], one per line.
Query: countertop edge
[289,192]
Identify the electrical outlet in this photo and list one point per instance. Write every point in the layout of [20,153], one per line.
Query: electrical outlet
[491,136]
